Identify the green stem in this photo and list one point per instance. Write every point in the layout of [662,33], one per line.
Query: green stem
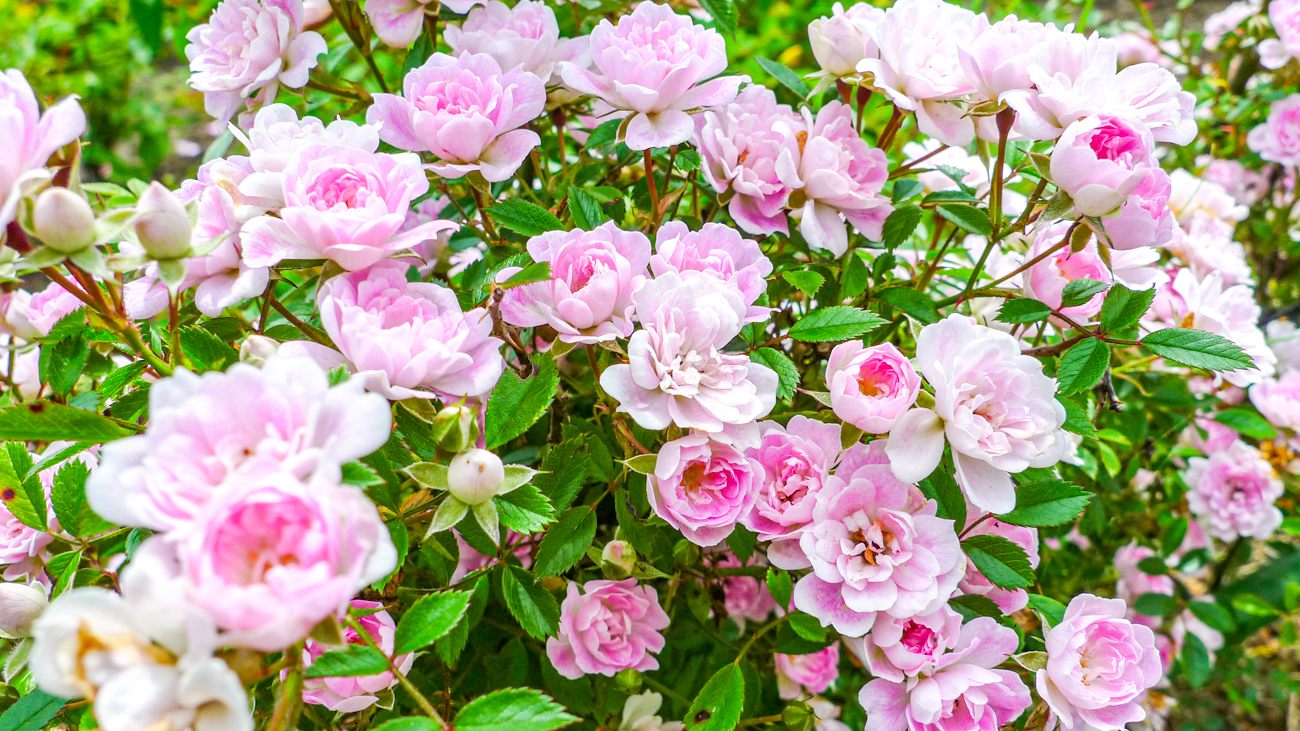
[406,683]
[288,704]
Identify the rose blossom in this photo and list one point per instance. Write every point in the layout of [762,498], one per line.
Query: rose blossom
[1234,492]
[607,626]
[744,597]
[654,63]
[992,403]
[811,673]
[702,487]
[32,137]
[399,22]
[843,39]
[1145,218]
[409,339]
[342,204]
[274,138]
[1046,280]
[898,648]
[870,386]
[842,177]
[1099,665]
[594,275]
[466,110]
[1278,400]
[1099,160]
[353,693]
[247,47]
[677,372]
[1278,139]
[975,582]
[751,148]
[1274,53]
[963,688]
[1284,341]
[640,713]
[796,461]
[525,35]
[47,307]
[204,430]
[22,548]
[718,251]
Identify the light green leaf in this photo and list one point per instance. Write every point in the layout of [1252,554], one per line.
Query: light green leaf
[972,219]
[804,280]
[784,76]
[786,372]
[1080,291]
[1083,365]
[913,303]
[349,662]
[1193,348]
[900,224]
[1123,307]
[43,421]
[719,703]
[522,217]
[1044,503]
[1023,310]
[586,211]
[525,510]
[512,709]
[832,324]
[538,271]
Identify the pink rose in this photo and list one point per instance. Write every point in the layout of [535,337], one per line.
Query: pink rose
[1145,218]
[409,339]
[526,36]
[1234,492]
[1274,53]
[1099,160]
[594,275]
[247,47]
[276,135]
[744,597]
[843,39]
[399,22]
[1008,601]
[1099,665]
[23,549]
[796,462]
[204,431]
[677,372]
[50,305]
[33,137]
[1278,139]
[1207,435]
[606,627]
[812,673]
[993,405]
[718,251]
[997,59]
[963,690]
[654,63]
[870,386]
[342,204]
[842,177]
[898,648]
[702,487]
[352,694]
[1278,400]
[751,148]
[1046,281]
[465,110]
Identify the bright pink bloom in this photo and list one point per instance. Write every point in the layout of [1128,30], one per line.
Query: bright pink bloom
[594,275]
[351,694]
[654,63]
[607,626]
[812,673]
[871,386]
[898,648]
[412,336]
[466,110]
[718,251]
[843,39]
[1234,492]
[1099,161]
[1144,219]
[974,582]
[1046,280]
[1274,53]
[702,487]
[842,177]
[1278,400]
[526,36]
[32,137]
[1099,665]
[250,47]
[1207,435]
[796,462]
[1278,138]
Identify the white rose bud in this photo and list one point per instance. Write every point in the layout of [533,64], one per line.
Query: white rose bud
[475,476]
[843,39]
[256,349]
[162,224]
[63,221]
[20,605]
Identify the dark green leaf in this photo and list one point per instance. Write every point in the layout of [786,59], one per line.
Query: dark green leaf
[1215,616]
[32,712]
[899,226]
[941,486]
[786,371]
[564,468]
[1123,307]
[1083,365]
[206,351]
[831,324]
[723,13]
[512,709]
[1001,561]
[906,189]
[971,606]
[522,217]
[429,619]
[539,271]
[780,586]
[62,362]
[410,723]
[1195,659]
[1172,536]
[148,18]
[23,496]
[1077,418]
[524,509]
[1155,605]
[719,703]
[1046,503]
[516,403]
[586,211]
[115,383]
[531,605]
[1196,349]
[911,302]
[565,542]
[349,662]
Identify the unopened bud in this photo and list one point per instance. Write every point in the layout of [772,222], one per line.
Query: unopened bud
[20,605]
[257,348]
[617,560]
[455,428]
[63,221]
[475,476]
[162,224]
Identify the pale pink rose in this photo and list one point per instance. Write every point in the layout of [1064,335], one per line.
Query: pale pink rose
[466,110]
[1274,53]
[526,36]
[607,626]
[677,372]
[352,694]
[744,597]
[1134,582]
[1243,185]
[33,137]
[841,40]
[1187,623]
[1046,280]
[751,148]
[1138,269]
[1152,96]
[23,549]
[1234,492]
[654,63]
[1207,435]
[250,47]
[702,487]
[718,251]
[1132,47]
[1099,665]
[342,204]
[1228,20]
[874,548]
[205,430]
[50,305]
[1206,303]
[1144,219]
[842,177]
[469,560]
[641,713]
[13,315]
[813,673]
[996,60]
[316,12]
[1198,200]
[399,22]
[871,387]
[1098,161]
[796,462]
[1206,249]
[26,375]
[993,405]
[1278,138]
[1278,400]
[1284,340]
[898,648]
[594,276]
[963,690]
[409,339]
[1009,601]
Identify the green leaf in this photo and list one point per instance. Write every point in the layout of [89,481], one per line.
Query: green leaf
[786,372]
[68,498]
[1002,562]
[586,211]
[361,475]
[900,225]
[941,486]
[723,13]
[784,76]
[115,383]
[1195,659]
[971,606]
[61,363]
[512,709]
[1172,536]
[43,421]
[1083,365]
[1077,418]
[419,53]
[1123,307]
[539,271]
[32,712]
[410,723]
[524,218]
[429,619]
[531,605]
[1044,503]
[516,403]
[1053,610]
[1195,349]
[854,277]
[565,542]
[1213,615]
[804,280]
[349,662]
[780,586]
[831,324]
[906,189]
[1155,605]
[564,469]
[206,351]
[642,464]
[1023,310]
[911,302]
[969,218]
[148,18]
[1080,291]
[23,496]
[1153,566]
[524,510]
[1247,423]
[720,702]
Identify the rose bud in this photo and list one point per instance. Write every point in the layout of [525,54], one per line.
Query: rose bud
[63,221]
[20,605]
[162,224]
[475,476]
[455,428]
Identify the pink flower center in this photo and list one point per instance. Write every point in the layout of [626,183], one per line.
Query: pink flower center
[339,187]
[919,639]
[1114,140]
